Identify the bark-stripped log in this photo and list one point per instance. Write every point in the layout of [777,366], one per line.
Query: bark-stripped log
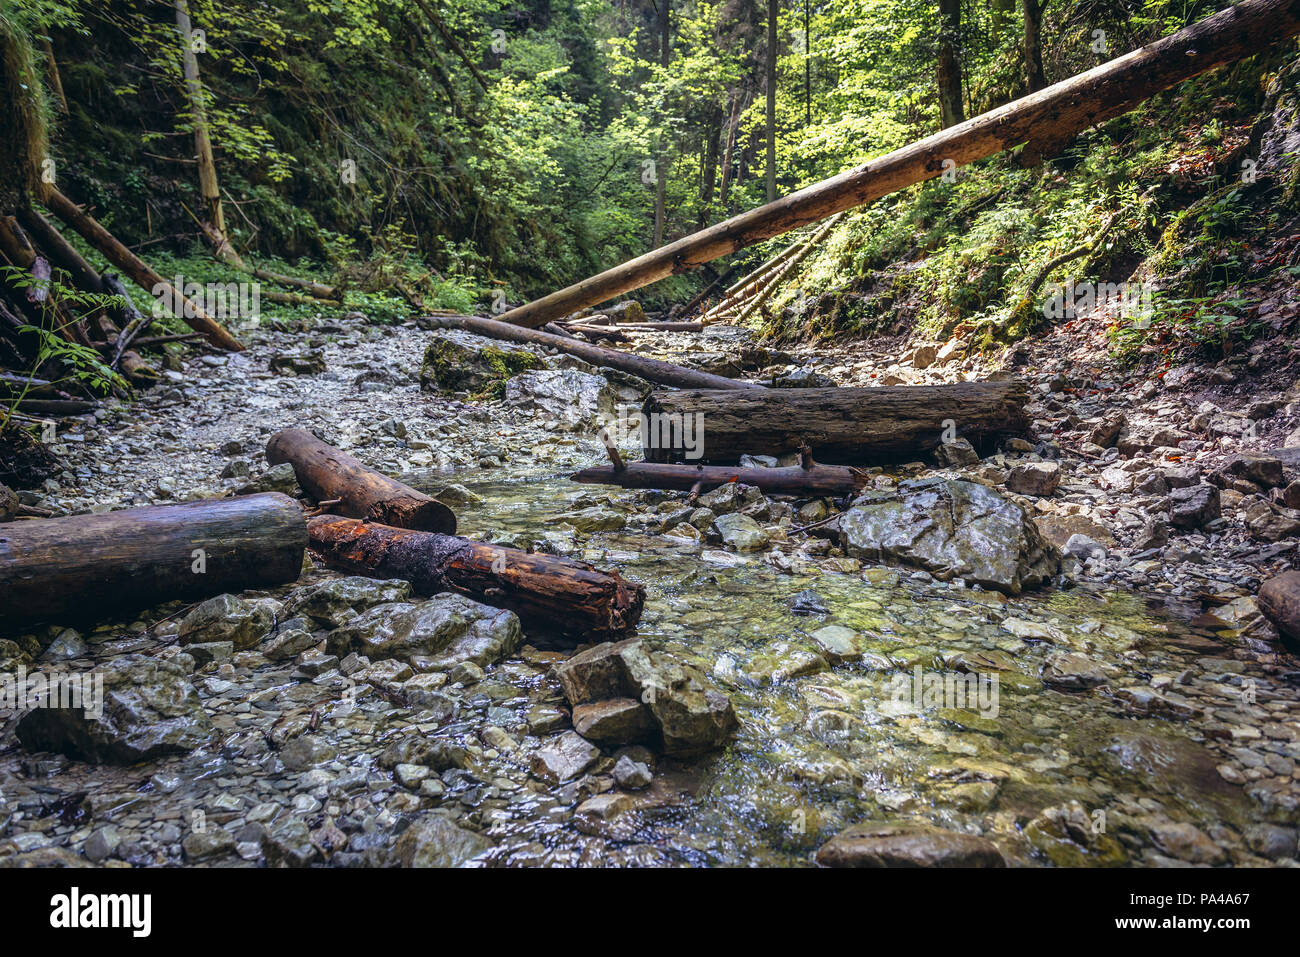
[354,490]
[549,593]
[1058,112]
[842,425]
[86,567]
[794,480]
[652,370]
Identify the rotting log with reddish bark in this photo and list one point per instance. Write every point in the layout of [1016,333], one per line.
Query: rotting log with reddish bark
[548,592]
[342,485]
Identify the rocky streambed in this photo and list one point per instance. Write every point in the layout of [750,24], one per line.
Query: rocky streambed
[869,691]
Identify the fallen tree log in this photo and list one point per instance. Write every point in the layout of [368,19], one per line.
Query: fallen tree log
[844,425]
[51,406]
[1050,115]
[342,484]
[834,480]
[90,566]
[548,592]
[653,370]
[140,272]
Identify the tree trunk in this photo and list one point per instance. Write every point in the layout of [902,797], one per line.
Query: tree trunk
[949,72]
[773,10]
[661,162]
[140,272]
[728,154]
[549,593]
[92,566]
[652,370]
[844,425]
[794,480]
[1035,78]
[328,475]
[194,93]
[1062,110]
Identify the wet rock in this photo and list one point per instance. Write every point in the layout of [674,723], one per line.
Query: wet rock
[1035,478]
[635,775]
[571,397]
[103,844]
[907,845]
[330,603]
[278,478]
[691,714]
[149,710]
[1184,842]
[1069,836]
[287,843]
[1273,841]
[1279,600]
[951,529]
[614,721]
[956,454]
[228,618]
[1084,548]
[456,361]
[311,363]
[739,533]
[306,752]
[564,759]
[731,497]
[208,844]
[436,841]
[594,519]
[1072,672]
[1193,507]
[837,643]
[444,631]
[804,378]
[287,644]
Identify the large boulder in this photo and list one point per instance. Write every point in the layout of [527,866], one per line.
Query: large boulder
[445,631]
[456,361]
[1194,507]
[148,710]
[1279,600]
[907,845]
[567,395]
[951,529]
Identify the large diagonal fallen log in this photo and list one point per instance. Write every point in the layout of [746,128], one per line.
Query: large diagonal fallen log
[652,370]
[1049,116]
[549,593]
[351,489]
[86,567]
[840,425]
[815,480]
[140,272]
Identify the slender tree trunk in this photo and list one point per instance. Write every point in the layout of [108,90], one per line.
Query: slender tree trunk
[1003,10]
[949,73]
[1034,75]
[661,166]
[728,154]
[194,92]
[56,81]
[772,12]
[709,177]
